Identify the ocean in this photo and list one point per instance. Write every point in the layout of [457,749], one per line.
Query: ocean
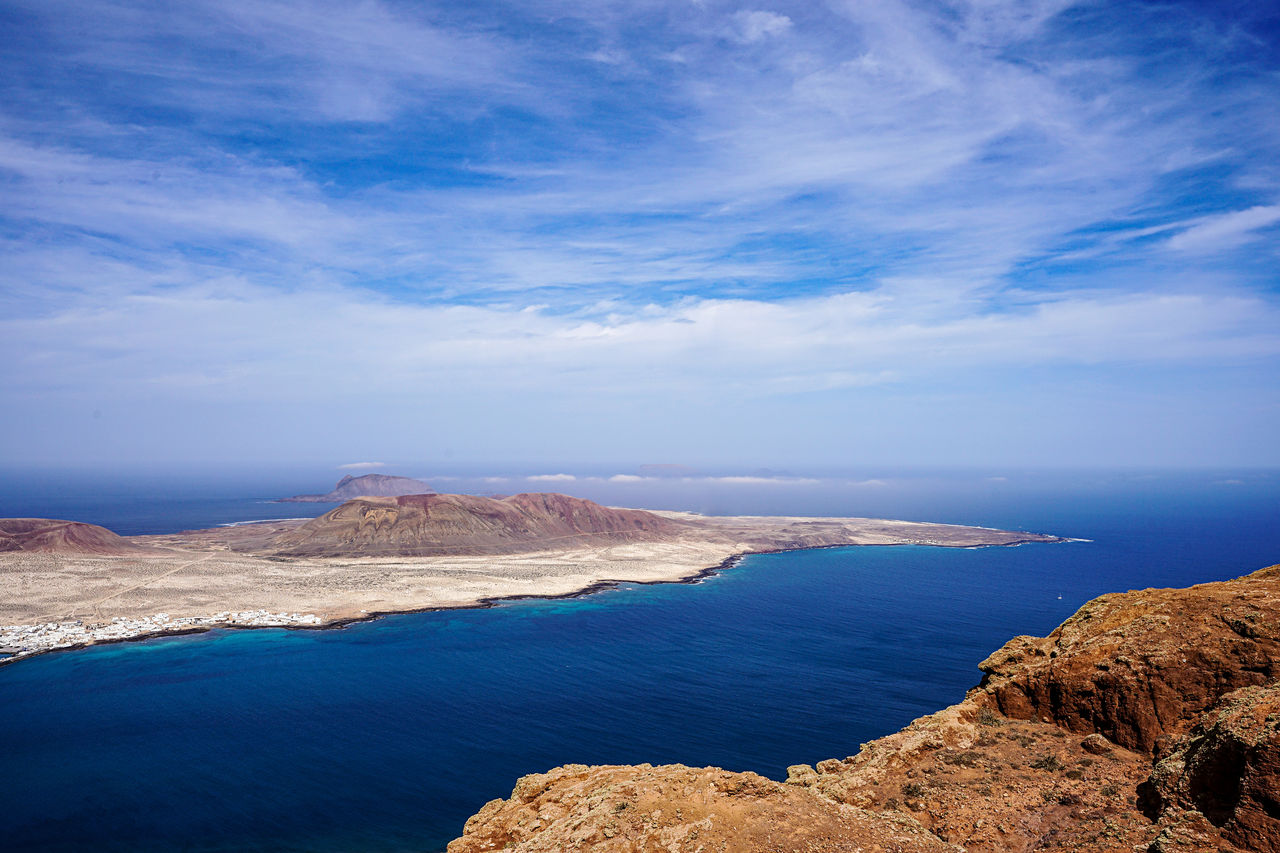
[387,735]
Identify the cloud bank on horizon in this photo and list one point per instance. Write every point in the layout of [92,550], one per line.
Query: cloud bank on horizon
[550,231]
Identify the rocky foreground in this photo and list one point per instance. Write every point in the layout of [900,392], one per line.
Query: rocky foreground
[1149,720]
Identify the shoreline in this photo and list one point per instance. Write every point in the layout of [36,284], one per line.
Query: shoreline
[341,622]
[312,622]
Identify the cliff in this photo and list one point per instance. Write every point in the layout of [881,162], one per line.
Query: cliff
[370,485]
[1142,667]
[1149,720]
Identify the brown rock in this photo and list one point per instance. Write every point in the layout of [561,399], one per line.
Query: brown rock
[993,785]
[1188,832]
[1095,744]
[1140,667]
[1227,768]
[646,809]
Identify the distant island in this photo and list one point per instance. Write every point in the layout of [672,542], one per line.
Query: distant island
[73,584]
[368,485]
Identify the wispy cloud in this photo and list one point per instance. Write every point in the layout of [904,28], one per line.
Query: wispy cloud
[750,26]
[361,466]
[314,60]
[745,480]
[724,480]
[676,202]
[242,341]
[1225,231]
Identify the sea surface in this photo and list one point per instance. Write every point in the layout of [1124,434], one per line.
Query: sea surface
[387,735]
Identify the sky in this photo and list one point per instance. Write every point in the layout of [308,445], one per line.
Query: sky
[558,233]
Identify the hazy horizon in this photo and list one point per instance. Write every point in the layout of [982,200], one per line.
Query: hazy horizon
[563,238]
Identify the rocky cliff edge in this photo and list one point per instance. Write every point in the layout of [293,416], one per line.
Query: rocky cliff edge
[1148,721]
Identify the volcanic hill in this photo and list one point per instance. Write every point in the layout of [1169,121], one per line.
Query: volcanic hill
[427,525]
[54,536]
[368,485]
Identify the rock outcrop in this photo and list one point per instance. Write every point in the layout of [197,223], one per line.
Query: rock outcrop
[427,525]
[678,808]
[987,783]
[368,485]
[1141,667]
[1226,769]
[54,536]
[1054,749]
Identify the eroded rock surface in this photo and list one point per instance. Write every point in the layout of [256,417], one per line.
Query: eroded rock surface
[1227,768]
[989,783]
[1141,667]
[676,808]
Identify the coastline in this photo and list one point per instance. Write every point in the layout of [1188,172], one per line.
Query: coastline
[294,621]
[311,622]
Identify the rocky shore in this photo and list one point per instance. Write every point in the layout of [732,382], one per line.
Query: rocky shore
[1148,721]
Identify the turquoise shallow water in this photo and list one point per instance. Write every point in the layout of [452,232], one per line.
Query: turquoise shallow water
[385,736]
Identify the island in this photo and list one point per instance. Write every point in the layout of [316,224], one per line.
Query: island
[367,485]
[71,584]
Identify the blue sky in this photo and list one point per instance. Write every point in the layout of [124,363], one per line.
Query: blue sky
[807,234]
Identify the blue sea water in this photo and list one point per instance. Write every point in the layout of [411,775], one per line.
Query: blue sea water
[385,736]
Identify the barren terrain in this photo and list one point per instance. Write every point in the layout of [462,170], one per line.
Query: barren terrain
[566,546]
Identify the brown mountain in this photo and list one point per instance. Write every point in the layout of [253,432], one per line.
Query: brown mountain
[425,525]
[1149,721]
[53,536]
[368,485]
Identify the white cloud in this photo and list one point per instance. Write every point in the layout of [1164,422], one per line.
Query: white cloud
[760,481]
[353,466]
[551,478]
[1225,230]
[236,341]
[730,480]
[609,56]
[751,26]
